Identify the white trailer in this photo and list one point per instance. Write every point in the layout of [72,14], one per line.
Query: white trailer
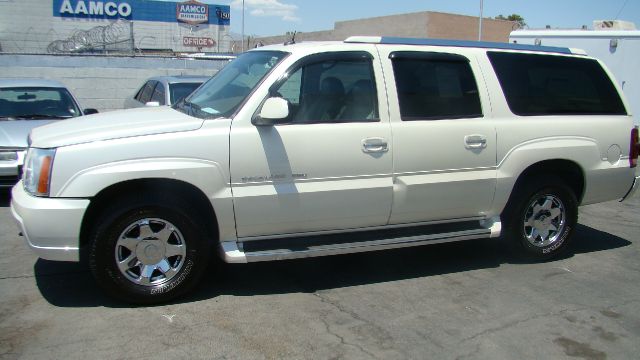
[618,49]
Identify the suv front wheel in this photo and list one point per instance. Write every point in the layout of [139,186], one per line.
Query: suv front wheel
[147,251]
[540,219]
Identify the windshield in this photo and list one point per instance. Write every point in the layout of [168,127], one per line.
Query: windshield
[221,95]
[179,91]
[33,103]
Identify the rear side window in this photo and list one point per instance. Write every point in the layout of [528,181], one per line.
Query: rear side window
[434,86]
[535,84]
[144,95]
[158,93]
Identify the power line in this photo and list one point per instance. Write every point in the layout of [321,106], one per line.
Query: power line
[622,8]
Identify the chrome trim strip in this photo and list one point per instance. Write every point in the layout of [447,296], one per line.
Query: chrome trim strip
[371,228]
[347,248]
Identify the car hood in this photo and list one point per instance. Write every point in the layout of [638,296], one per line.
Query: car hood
[14,133]
[113,125]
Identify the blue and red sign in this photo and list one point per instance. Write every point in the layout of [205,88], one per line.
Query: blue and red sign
[192,12]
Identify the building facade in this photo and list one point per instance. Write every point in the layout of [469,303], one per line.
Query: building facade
[427,24]
[116,26]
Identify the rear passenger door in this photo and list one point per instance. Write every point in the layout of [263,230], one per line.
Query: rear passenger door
[444,147]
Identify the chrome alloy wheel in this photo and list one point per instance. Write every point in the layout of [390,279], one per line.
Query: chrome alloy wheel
[150,251]
[544,220]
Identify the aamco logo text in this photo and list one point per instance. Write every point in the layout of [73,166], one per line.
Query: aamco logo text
[95,8]
[192,12]
[198,41]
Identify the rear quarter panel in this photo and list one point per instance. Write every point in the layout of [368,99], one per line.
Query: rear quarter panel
[598,144]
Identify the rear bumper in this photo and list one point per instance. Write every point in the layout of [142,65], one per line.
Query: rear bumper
[50,226]
[633,189]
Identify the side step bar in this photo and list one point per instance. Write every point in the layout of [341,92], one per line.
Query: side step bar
[311,246]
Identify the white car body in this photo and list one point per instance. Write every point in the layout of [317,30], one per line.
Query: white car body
[295,181]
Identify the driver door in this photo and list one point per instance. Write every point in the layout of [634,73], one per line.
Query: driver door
[328,166]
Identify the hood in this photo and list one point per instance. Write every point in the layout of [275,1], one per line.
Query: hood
[113,125]
[14,133]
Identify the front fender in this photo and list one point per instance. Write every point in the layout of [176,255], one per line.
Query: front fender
[208,176]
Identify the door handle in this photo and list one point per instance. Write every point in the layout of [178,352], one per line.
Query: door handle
[475,141]
[374,145]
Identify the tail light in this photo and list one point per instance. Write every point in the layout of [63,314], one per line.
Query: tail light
[634,148]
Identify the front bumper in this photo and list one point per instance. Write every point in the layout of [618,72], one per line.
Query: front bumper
[51,226]
[632,190]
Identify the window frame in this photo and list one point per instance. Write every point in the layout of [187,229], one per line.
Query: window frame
[604,76]
[163,100]
[435,56]
[353,55]
[151,84]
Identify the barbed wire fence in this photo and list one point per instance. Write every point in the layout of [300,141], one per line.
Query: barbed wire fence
[117,36]
[114,38]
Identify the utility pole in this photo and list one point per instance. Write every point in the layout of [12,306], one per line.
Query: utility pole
[242,25]
[480,26]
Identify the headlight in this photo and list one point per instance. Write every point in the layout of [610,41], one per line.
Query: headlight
[8,155]
[37,171]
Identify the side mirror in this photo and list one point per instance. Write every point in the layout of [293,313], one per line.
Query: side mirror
[90,111]
[152,104]
[274,110]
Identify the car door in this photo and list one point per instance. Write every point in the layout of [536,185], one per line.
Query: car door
[444,145]
[328,166]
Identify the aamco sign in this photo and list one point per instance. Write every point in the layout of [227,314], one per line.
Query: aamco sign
[192,12]
[198,41]
[81,8]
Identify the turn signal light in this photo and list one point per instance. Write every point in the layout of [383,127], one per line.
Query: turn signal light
[45,172]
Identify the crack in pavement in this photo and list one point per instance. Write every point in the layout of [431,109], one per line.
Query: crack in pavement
[42,275]
[538,316]
[345,311]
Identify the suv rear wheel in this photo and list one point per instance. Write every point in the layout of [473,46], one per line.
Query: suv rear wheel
[541,217]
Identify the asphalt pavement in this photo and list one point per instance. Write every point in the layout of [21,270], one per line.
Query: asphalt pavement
[469,300]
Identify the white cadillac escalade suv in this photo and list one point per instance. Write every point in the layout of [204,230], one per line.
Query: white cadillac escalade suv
[314,149]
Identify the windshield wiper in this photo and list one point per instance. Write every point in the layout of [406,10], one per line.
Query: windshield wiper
[39,116]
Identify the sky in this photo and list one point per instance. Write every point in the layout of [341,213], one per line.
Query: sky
[274,17]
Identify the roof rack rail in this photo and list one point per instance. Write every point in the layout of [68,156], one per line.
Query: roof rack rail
[455,43]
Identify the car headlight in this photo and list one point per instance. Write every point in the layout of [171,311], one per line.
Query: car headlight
[37,171]
[8,155]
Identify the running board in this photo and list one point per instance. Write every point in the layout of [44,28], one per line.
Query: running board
[354,242]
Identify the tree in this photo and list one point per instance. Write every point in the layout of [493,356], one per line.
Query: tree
[513,17]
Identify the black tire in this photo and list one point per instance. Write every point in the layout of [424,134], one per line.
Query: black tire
[119,222]
[521,220]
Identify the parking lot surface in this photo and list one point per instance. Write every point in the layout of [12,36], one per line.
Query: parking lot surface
[453,301]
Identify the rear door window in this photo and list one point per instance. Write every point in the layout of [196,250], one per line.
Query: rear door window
[434,86]
[536,84]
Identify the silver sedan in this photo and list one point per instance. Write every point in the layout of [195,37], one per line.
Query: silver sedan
[164,90]
[24,105]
